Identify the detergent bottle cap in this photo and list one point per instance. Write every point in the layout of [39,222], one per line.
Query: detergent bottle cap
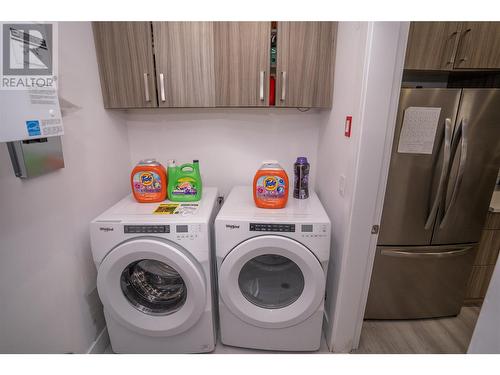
[171,163]
[149,161]
[271,164]
[301,160]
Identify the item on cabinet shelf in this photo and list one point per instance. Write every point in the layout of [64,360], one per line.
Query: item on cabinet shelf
[301,181]
[274,38]
[270,185]
[149,181]
[272,90]
[184,183]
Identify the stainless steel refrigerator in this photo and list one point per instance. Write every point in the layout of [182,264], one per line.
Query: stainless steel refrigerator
[436,201]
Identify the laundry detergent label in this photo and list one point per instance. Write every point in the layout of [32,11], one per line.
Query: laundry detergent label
[185,186]
[147,182]
[270,187]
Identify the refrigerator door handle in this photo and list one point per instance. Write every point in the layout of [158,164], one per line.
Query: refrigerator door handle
[413,254]
[461,169]
[442,178]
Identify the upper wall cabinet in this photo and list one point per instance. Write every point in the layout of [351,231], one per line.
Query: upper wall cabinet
[184,56]
[125,58]
[215,64]
[305,64]
[432,45]
[479,46]
[242,63]
[450,46]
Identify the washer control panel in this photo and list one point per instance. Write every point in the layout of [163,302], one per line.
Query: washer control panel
[271,227]
[187,231]
[146,229]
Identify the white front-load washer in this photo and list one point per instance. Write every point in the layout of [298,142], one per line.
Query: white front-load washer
[154,274]
[272,266]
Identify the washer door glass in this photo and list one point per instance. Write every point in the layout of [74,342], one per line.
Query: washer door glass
[153,287]
[271,281]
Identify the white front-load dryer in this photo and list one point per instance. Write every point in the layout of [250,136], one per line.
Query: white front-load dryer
[272,266]
[154,274]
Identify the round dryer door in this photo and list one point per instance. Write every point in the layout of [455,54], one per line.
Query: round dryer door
[152,286]
[271,281]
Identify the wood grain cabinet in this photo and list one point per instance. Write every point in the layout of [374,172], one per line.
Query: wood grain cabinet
[184,56]
[432,45]
[214,64]
[479,46]
[484,263]
[125,59]
[451,46]
[305,64]
[242,52]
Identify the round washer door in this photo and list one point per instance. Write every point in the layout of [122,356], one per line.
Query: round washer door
[271,281]
[152,286]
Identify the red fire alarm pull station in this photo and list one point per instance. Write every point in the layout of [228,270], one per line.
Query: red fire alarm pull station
[347,128]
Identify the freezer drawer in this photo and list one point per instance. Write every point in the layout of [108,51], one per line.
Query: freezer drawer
[419,281]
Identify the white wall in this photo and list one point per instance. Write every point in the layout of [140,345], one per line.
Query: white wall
[486,336]
[337,153]
[46,271]
[230,143]
[369,65]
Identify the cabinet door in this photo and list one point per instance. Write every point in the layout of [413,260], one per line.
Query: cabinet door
[125,59]
[432,45]
[305,61]
[184,57]
[242,63]
[479,46]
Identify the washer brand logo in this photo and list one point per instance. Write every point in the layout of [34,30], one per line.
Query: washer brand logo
[232,226]
[106,229]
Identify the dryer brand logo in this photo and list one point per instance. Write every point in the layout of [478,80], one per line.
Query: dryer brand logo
[106,229]
[232,226]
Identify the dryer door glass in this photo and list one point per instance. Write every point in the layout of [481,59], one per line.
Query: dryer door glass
[271,281]
[153,287]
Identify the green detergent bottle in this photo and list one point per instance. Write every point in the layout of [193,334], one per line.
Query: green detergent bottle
[184,182]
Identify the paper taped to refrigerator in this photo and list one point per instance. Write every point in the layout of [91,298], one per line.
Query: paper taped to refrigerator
[418,130]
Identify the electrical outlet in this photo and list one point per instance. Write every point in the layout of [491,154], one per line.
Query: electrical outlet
[342,185]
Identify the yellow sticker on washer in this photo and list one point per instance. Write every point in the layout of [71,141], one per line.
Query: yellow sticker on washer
[166,209]
[183,209]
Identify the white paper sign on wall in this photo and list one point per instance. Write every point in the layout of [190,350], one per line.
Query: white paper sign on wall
[418,130]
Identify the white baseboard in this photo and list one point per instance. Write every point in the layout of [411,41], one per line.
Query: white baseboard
[100,344]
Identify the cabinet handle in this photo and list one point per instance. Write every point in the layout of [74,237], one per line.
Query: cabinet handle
[146,87]
[283,86]
[462,44]
[162,87]
[455,47]
[262,85]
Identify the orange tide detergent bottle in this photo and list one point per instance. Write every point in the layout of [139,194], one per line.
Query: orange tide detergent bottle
[149,181]
[270,185]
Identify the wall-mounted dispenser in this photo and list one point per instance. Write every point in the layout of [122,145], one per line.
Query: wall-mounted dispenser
[31,124]
[34,157]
